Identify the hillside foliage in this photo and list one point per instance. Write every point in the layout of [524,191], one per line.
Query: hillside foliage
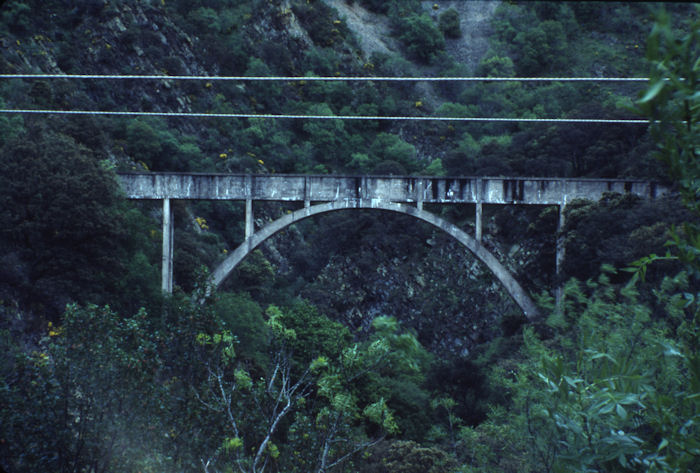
[353,342]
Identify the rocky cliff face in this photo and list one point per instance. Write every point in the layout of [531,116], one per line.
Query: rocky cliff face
[447,297]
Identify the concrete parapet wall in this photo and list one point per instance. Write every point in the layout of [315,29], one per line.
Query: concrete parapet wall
[400,189]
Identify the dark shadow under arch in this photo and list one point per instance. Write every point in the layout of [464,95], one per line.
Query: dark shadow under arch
[499,271]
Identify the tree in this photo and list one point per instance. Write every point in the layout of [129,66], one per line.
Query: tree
[327,137]
[78,401]
[617,230]
[319,391]
[672,102]
[422,39]
[586,402]
[497,66]
[62,231]
[387,147]
[541,48]
[449,24]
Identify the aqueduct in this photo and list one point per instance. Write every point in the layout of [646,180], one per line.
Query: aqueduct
[402,194]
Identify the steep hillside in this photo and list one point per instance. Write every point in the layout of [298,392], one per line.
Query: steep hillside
[335,38]
[373,32]
[355,341]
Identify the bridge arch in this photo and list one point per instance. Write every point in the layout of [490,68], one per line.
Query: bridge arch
[499,271]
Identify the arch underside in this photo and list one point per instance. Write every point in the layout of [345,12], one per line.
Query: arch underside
[521,298]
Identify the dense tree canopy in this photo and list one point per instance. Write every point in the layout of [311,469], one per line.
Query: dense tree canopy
[57,198]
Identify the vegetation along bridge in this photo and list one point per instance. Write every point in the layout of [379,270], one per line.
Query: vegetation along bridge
[402,194]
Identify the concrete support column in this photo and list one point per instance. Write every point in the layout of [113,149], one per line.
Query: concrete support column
[168,233]
[419,194]
[478,221]
[479,209]
[560,253]
[249,224]
[307,193]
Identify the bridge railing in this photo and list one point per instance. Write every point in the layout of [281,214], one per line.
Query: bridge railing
[400,189]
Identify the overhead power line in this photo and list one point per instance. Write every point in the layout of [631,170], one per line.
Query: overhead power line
[328,117]
[329,78]
[318,79]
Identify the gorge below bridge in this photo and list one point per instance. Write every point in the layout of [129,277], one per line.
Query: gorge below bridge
[402,194]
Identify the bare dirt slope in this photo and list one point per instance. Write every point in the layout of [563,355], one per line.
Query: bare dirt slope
[373,31]
[475,21]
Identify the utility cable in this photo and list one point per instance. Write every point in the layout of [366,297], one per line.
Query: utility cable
[318,78]
[326,117]
[329,78]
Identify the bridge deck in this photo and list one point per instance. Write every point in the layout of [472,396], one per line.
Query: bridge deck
[399,189]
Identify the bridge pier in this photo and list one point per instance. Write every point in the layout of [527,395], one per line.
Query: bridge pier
[168,234]
[249,223]
[477,232]
[419,193]
[478,194]
[559,256]
[307,193]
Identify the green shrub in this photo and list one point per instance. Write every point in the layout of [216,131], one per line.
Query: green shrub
[388,147]
[497,66]
[449,24]
[402,456]
[422,39]
[17,17]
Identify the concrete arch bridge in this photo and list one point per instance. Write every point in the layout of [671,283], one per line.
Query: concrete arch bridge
[400,194]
